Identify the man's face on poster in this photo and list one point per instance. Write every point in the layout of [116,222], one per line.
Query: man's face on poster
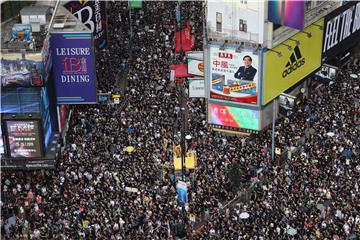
[247,62]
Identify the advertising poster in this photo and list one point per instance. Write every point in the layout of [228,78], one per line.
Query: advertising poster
[24,138]
[75,75]
[234,76]
[93,15]
[196,87]
[282,72]
[341,30]
[195,67]
[233,118]
[19,72]
[289,13]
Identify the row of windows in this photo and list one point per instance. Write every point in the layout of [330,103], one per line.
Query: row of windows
[242,23]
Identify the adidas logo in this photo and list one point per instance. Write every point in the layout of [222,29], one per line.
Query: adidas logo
[296,61]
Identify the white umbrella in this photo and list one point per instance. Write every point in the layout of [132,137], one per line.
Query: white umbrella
[354,76]
[330,134]
[244,215]
[292,231]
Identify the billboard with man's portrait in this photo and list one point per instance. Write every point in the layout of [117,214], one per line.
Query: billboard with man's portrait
[234,75]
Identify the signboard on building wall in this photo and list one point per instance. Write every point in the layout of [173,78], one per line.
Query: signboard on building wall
[24,138]
[74,77]
[289,13]
[283,67]
[196,67]
[234,75]
[93,15]
[196,87]
[341,30]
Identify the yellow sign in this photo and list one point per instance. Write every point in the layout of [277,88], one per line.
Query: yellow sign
[282,72]
[190,161]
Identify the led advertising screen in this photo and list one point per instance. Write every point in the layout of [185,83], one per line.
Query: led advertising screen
[234,76]
[74,75]
[17,71]
[233,117]
[341,30]
[290,13]
[24,138]
[93,15]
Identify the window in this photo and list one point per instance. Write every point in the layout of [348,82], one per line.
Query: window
[218,22]
[242,25]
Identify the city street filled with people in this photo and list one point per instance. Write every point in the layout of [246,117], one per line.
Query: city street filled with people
[102,189]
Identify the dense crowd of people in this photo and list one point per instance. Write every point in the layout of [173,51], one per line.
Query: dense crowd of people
[103,190]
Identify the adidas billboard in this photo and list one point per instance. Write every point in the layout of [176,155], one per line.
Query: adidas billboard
[295,62]
[284,67]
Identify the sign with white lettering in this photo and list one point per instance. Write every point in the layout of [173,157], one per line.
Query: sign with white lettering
[74,74]
[24,138]
[93,15]
[341,30]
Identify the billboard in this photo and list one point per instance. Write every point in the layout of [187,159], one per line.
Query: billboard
[24,138]
[234,75]
[233,118]
[290,13]
[229,20]
[196,67]
[196,87]
[282,71]
[75,75]
[93,15]
[341,30]
[17,71]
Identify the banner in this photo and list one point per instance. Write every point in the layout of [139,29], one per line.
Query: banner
[341,30]
[24,138]
[282,72]
[233,118]
[187,40]
[196,87]
[19,72]
[75,72]
[93,15]
[181,189]
[234,75]
[196,67]
[2,149]
[289,13]
[63,114]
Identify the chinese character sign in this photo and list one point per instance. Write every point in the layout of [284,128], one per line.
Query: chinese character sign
[74,73]
[233,75]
